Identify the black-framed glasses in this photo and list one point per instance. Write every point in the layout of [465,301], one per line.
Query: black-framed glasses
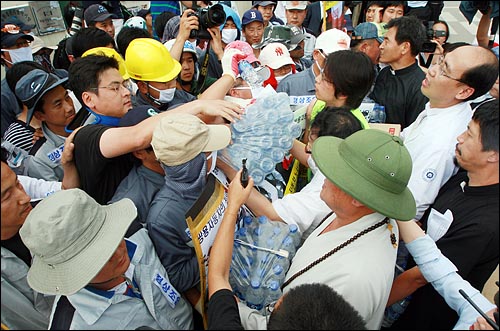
[442,72]
[115,86]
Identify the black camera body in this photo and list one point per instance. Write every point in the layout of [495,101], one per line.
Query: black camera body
[428,46]
[208,18]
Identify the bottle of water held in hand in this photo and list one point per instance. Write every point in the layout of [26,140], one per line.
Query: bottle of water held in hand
[249,74]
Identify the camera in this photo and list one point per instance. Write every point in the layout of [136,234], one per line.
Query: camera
[77,22]
[428,46]
[208,18]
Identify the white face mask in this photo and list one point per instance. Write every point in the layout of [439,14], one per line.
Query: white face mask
[229,35]
[279,79]
[165,95]
[19,54]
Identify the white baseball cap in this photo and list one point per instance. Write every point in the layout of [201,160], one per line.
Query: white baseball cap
[332,40]
[300,5]
[275,55]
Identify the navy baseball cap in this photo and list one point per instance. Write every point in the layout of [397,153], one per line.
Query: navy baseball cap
[251,15]
[23,26]
[138,114]
[11,33]
[367,30]
[96,13]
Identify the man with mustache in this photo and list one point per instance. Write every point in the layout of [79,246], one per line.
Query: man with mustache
[449,85]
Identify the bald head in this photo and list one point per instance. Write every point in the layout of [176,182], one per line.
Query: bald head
[478,66]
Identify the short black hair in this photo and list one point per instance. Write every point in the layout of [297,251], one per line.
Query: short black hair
[126,35]
[315,307]
[160,22]
[486,116]
[89,38]
[337,122]
[85,72]
[409,29]
[352,75]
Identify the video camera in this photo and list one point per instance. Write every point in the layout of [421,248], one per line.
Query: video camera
[208,18]
[428,46]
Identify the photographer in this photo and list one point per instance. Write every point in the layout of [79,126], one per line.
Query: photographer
[437,36]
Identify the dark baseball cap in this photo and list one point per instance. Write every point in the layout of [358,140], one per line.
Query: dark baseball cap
[16,21]
[138,114]
[96,13]
[367,30]
[251,15]
[33,86]
[263,3]
[11,33]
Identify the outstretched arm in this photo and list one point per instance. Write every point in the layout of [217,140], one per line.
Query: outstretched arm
[222,249]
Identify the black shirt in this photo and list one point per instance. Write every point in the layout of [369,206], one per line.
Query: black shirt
[99,176]
[399,92]
[223,313]
[471,243]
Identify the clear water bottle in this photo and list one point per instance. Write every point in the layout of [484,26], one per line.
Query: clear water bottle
[295,234]
[274,292]
[278,271]
[377,114]
[257,175]
[289,245]
[249,74]
[255,295]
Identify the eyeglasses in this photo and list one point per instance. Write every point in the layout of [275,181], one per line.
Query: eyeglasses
[115,86]
[323,76]
[441,65]
[269,309]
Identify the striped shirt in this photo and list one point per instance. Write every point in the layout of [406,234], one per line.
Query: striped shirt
[19,135]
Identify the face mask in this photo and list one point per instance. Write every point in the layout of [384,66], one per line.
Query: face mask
[279,79]
[19,54]
[317,63]
[165,95]
[229,35]
[262,92]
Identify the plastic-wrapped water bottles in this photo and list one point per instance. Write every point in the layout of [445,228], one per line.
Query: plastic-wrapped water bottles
[393,312]
[377,114]
[261,255]
[273,291]
[263,136]
[255,295]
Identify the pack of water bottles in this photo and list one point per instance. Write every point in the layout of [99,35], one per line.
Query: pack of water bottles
[262,253]
[263,135]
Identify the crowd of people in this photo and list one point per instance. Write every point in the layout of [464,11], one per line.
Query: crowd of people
[110,138]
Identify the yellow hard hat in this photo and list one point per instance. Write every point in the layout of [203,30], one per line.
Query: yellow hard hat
[110,52]
[149,60]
